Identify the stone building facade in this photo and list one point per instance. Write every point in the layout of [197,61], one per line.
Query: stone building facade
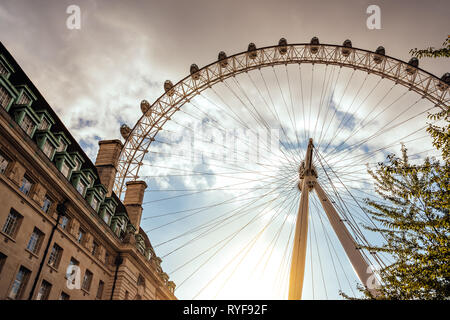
[64,234]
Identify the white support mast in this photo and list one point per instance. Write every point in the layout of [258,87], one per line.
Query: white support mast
[362,269]
[308,181]
[301,229]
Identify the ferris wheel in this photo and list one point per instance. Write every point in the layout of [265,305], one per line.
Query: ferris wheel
[257,166]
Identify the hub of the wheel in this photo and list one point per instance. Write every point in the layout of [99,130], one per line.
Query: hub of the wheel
[306,168]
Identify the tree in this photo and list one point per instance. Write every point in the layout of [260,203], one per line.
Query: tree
[431,52]
[414,216]
[414,219]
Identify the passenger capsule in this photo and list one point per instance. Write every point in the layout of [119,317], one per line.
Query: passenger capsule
[446,79]
[314,45]
[379,55]
[282,46]
[411,68]
[251,51]
[380,50]
[168,87]
[125,131]
[145,106]
[223,59]
[347,48]
[194,71]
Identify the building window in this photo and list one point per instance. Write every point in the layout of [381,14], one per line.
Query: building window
[106,217]
[12,223]
[81,187]
[77,164]
[3,70]
[44,291]
[47,204]
[19,283]
[81,235]
[87,280]
[3,164]
[62,146]
[90,180]
[35,241]
[101,284]
[2,261]
[26,185]
[107,258]
[126,295]
[64,296]
[44,124]
[65,220]
[48,149]
[23,99]
[94,203]
[27,125]
[55,256]
[94,248]
[118,228]
[5,97]
[65,170]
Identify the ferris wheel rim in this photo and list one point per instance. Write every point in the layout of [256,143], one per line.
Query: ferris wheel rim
[125,160]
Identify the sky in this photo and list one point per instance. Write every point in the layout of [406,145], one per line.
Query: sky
[125,50]
[95,77]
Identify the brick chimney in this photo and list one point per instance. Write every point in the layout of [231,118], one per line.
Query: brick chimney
[134,195]
[106,162]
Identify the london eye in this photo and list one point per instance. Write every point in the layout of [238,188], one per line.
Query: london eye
[257,166]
